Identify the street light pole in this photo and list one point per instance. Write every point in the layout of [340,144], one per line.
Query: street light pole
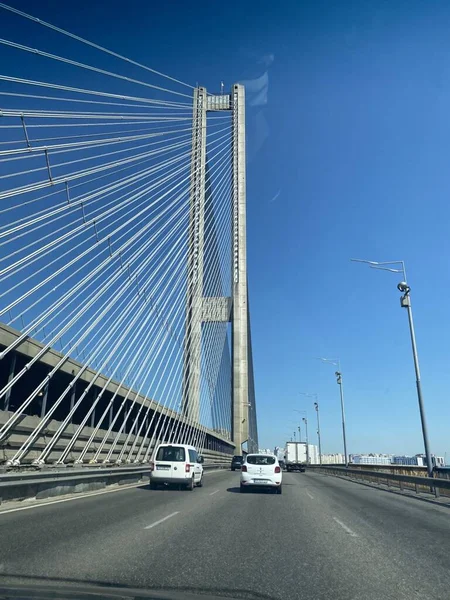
[305,421]
[299,434]
[337,363]
[405,302]
[344,437]
[316,406]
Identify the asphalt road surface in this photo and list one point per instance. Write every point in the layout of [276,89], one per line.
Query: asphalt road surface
[323,538]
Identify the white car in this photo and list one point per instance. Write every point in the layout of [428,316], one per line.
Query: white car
[261,470]
[176,464]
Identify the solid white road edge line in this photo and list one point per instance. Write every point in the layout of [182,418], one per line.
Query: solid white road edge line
[162,520]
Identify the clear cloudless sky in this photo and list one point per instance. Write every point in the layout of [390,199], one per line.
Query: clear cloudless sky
[349,156]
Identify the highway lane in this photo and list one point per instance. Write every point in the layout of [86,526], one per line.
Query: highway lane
[323,538]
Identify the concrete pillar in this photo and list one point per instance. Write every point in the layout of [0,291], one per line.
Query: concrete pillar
[240,424]
[194,301]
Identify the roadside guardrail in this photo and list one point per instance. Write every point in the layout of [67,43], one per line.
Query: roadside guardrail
[433,485]
[51,482]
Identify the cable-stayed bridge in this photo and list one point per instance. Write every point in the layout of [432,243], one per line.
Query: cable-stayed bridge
[123,298]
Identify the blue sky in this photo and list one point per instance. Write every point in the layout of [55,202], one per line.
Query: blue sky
[349,158]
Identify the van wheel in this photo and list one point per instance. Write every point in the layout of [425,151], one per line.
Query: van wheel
[190,485]
[153,485]
[200,483]
[243,489]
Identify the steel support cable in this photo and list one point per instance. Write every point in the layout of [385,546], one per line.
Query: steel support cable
[111,335]
[10,423]
[39,113]
[152,440]
[168,378]
[119,433]
[82,292]
[76,175]
[24,153]
[79,136]
[15,265]
[23,223]
[206,246]
[99,102]
[78,146]
[96,157]
[123,226]
[75,63]
[170,404]
[207,240]
[36,432]
[57,304]
[75,185]
[66,88]
[54,273]
[23,228]
[76,126]
[89,198]
[33,325]
[155,271]
[136,358]
[84,197]
[116,440]
[93,45]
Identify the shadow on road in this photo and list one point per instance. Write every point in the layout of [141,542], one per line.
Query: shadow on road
[251,490]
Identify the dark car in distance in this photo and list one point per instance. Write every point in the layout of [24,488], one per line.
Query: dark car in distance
[237,462]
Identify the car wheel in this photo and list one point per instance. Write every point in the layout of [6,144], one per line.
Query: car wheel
[243,489]
[279,490]
[153,485]
[190,485]
[233,469]
[200,483]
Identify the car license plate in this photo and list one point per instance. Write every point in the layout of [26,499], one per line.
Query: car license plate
[162,467]
[260,481]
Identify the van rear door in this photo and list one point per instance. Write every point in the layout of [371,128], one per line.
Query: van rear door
[169,461]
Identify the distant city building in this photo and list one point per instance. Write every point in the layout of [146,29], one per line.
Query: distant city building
[408,460]
[333,459]
[370,459]
[418,460]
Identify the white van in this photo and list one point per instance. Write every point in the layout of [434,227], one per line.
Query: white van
[178,464]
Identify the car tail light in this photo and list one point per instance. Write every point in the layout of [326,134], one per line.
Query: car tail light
[152,466]
[244,469]
[187,468]
[277,470]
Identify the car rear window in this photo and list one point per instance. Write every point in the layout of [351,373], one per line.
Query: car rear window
[261,460]
[237,457]
[171,454]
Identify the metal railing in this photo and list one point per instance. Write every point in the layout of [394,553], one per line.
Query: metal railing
[431,485]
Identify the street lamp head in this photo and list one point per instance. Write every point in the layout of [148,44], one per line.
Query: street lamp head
[403,287]
[316,405]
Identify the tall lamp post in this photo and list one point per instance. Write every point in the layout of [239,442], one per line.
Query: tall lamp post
[405,302]
[337,363]
[316,406]
[305,421]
